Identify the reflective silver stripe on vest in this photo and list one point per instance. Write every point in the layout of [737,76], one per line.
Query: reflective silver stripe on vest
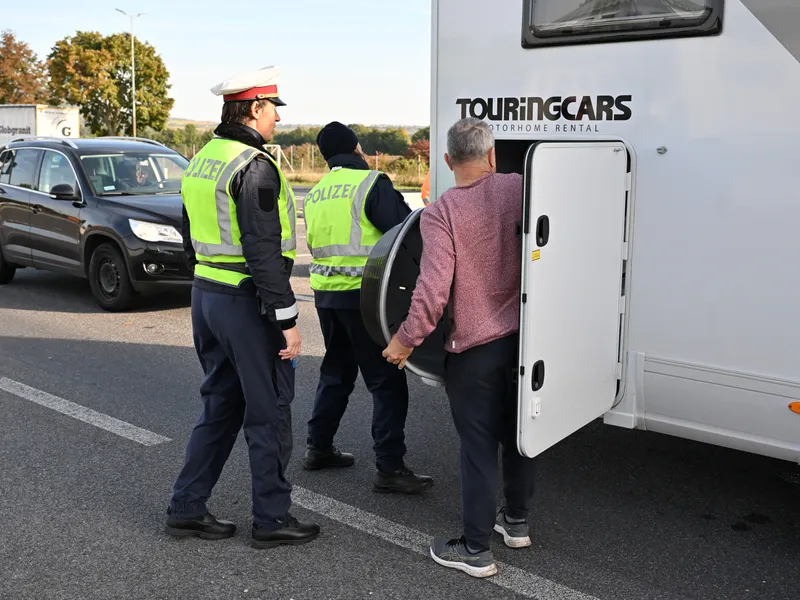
[353,248]
[223,205]
[291,243]
[227,248]
[327,271]
[287,245]
[216,249]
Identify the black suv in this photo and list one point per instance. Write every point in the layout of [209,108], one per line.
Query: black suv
[106,209]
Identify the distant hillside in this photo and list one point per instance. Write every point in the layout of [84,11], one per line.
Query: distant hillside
[177,123]
[181,123]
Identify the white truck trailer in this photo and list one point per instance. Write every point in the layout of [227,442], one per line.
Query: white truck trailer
[38,120]
[659,145]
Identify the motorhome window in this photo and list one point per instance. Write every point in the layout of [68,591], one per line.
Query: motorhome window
[549,22]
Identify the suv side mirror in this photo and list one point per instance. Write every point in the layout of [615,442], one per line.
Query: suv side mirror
[63,191]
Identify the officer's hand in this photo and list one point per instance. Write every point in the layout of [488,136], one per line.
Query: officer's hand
[396,353]
[293,343]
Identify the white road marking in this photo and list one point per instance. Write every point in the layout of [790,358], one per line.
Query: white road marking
[87,415]
[508,577]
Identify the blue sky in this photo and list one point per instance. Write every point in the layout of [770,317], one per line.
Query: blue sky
[357,61]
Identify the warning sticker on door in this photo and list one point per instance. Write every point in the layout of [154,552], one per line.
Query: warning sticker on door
[536,255]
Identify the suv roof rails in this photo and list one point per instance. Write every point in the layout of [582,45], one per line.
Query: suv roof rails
[65,141]
[126,137]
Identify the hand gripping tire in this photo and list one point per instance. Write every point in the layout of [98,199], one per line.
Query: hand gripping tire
[390,278]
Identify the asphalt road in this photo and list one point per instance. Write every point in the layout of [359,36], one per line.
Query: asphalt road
[618,514]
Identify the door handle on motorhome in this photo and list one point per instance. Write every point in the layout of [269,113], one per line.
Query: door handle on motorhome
[542,231]
[537,376]
[35,208]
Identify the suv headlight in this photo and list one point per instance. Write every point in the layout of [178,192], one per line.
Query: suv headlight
[155,232]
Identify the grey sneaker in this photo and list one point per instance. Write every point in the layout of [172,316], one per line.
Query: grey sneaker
[515,535]
[454,554]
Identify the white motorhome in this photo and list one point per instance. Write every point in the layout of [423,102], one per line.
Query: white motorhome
[660,147]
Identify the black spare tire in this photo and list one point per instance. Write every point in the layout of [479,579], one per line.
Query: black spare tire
[390,278]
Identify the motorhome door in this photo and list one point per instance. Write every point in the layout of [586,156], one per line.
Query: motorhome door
[576,203]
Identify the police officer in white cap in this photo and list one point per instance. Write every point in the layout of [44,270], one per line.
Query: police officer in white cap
[239,233]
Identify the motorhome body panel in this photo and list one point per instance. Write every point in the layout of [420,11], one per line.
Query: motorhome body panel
[716,193]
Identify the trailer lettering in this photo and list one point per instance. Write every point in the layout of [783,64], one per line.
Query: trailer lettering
[15,130]
[552,115]
[577,127]
[538,127]
[510,111]
[586,110]
[535,103]
[625,110]
[605,105]
[564,106]
[483,106]
[495,114]
[554,108]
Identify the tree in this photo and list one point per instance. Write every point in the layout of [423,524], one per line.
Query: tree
[94,72]
[22,74]
[297,136]
[421,149]
[393,141]
[421,134]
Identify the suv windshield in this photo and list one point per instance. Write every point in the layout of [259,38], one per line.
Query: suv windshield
[134,173]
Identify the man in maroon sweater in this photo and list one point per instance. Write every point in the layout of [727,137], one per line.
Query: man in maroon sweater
[471,262]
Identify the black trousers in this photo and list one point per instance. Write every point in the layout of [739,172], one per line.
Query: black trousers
[246,385]
[348,348]
[483,402]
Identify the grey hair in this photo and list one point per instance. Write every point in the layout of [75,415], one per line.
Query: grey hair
[469,139]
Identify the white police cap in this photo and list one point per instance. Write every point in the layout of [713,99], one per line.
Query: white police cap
[253,85]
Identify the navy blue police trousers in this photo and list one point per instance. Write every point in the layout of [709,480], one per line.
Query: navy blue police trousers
[247,386]
[348,348]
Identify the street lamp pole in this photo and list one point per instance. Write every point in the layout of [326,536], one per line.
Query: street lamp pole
[133,67]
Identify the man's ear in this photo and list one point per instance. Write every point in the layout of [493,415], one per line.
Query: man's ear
[255,109]
[492,158]
[447,160]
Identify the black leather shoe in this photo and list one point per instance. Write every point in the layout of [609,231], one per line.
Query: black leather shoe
[326,458]
[401,481]
[293,533]
[206,527]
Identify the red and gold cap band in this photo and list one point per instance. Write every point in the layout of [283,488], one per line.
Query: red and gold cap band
[256,93]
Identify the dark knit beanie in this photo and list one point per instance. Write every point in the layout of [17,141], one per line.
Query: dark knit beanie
[336,138]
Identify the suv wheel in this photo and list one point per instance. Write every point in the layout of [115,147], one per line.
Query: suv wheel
[6,270]
[109,280]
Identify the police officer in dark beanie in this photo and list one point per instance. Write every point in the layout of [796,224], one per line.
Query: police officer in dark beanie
[239,233]
[346,213]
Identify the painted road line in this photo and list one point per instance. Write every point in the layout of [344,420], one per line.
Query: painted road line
[87,415]
[509,577]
